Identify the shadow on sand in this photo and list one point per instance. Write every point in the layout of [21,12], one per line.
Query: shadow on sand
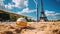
[19,30]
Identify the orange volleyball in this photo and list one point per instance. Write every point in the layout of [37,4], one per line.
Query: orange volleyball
[21,22]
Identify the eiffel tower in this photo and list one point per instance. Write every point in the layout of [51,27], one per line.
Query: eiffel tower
[42,14]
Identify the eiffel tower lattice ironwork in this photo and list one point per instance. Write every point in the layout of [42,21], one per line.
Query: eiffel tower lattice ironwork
[42,14]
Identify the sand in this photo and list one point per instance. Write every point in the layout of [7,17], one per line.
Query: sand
[32,28]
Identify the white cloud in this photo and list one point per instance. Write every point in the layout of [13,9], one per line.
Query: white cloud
[49,13]
[9,6]
[57,14]
[26,10]
[1,2]
[52,14]
[26,3]
[20,3]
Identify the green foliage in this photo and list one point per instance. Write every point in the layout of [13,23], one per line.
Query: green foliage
[12,16]
[58,20]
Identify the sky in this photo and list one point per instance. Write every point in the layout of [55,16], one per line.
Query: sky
[28,7]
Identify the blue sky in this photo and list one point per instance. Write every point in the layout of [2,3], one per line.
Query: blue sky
[28,7]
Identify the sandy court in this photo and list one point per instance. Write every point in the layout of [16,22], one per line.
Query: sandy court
[39,28]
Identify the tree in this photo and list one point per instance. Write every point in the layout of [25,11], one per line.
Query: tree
[58,20]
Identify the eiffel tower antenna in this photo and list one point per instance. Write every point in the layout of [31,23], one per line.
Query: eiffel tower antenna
[42,14]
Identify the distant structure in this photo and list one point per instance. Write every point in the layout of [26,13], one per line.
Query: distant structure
[8,16]
[42,14]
